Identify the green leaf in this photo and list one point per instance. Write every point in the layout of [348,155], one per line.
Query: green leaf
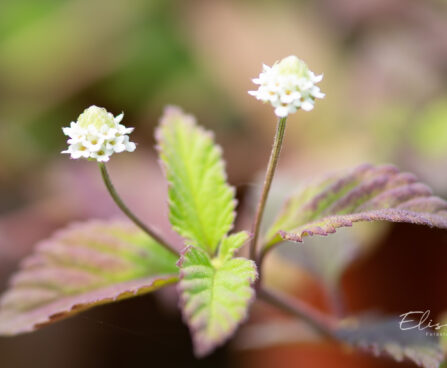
[215,296]
[85,265]
[368,193]
[231,244]
[385,337]
[201,203]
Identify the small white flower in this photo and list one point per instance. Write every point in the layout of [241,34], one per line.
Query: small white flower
[102,155]
[130,146]
[116,144]
[97,135]
[288,85]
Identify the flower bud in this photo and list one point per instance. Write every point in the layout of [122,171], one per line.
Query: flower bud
[96,116]
[97,135]
[288,85]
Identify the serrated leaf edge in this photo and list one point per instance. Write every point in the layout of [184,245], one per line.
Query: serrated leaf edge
[189,119]
[200,348]
[392,215]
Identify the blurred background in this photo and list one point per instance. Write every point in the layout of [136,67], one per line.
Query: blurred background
[385,79]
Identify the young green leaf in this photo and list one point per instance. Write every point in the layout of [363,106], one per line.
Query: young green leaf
[215,296]
[385,337]
[201,203]
[80,267]
[368,193]
[231,244]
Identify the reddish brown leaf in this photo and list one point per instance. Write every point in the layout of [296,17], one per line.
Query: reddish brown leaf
[368,193]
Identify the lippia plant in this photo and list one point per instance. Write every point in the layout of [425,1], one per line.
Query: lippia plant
[99,262]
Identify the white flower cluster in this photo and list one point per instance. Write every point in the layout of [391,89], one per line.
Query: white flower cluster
[97,135]
[288,85]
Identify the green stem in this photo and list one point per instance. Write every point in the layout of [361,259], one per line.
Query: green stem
[129,213]
[273,163]
[323,324]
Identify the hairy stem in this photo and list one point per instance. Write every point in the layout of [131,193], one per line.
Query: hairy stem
[273,163]
[129,213]
[320,322]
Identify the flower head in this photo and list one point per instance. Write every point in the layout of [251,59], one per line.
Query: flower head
[97,135]
[288,85]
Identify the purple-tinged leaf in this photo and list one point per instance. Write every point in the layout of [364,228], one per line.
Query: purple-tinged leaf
[378,337]
[368,193]
[80,267]
[215,295]
[385,337]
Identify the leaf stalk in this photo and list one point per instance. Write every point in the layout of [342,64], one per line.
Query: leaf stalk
[323,324]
